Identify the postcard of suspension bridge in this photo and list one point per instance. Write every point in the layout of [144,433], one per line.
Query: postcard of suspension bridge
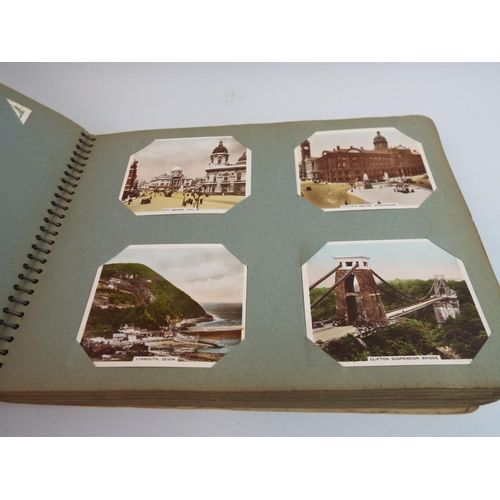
[392,302]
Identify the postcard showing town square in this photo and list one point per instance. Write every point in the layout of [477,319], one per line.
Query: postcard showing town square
[191,175]
[392,303]
[165,305]
[379,168]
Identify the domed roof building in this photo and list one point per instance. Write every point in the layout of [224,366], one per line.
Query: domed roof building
[243,159]
[172,180]
[350,165]
[219,155]
[220,148]
[380,143]
[222,177]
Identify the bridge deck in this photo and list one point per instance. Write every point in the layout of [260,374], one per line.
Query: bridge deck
[403,311]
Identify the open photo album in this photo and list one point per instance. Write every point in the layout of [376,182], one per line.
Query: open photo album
[321,265]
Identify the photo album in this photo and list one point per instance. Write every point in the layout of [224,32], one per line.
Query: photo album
[316,266]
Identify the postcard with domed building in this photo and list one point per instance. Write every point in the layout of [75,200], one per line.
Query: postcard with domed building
[379,168]
[189,175]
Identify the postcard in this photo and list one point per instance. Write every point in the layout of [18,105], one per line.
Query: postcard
[371,303]
[361,169]
[165,305]
[191,175]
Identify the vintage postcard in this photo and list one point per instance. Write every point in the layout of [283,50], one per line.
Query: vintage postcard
[192,175]
[165,305]
[363,169]
[397,302]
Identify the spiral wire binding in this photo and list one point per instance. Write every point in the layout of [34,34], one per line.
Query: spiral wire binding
[47,238]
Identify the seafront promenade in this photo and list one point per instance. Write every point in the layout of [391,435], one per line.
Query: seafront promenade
[159,201]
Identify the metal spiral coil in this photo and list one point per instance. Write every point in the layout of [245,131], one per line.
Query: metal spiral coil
[76,166]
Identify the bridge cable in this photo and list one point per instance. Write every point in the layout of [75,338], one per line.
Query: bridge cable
[411,299]
[422,299]
[325,295]
[314,285]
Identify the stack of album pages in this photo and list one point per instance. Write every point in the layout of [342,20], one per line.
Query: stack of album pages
[322,265]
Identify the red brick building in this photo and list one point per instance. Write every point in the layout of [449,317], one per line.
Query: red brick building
[349,165]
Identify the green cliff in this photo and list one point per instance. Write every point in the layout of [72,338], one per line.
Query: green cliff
[134,294]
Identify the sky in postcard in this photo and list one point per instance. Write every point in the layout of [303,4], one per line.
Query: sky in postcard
[403,259]
[192,155]
[208,273]
[329,140]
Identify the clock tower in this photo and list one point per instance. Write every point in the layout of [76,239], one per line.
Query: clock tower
[305,151]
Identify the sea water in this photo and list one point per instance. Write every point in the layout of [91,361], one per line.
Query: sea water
[224,314]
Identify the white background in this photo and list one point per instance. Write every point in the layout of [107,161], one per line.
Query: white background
[462,99]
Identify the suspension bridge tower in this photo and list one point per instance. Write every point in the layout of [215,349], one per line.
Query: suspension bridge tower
[449,307]
[357,295]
